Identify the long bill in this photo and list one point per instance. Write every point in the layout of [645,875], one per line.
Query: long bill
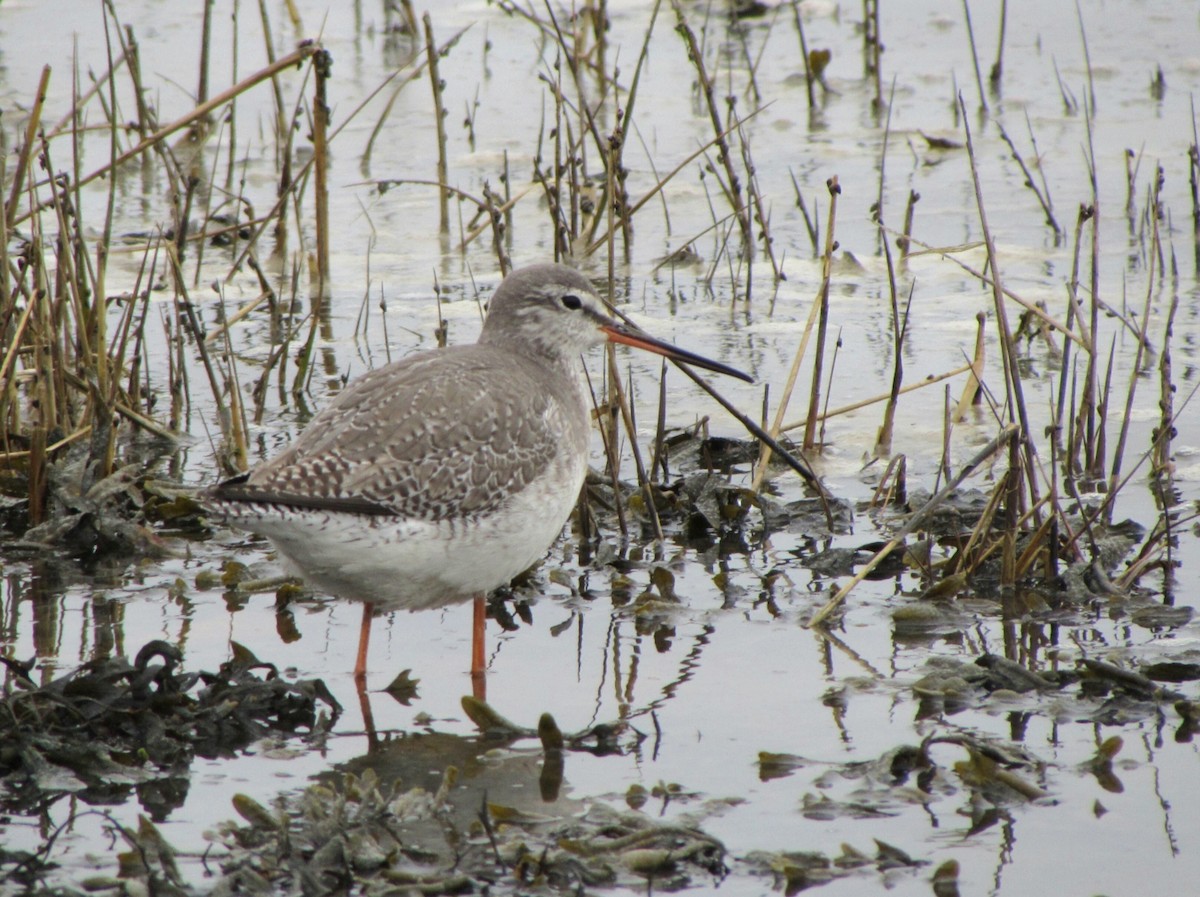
[628,336]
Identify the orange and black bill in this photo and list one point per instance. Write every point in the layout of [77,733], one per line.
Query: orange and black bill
[619,333]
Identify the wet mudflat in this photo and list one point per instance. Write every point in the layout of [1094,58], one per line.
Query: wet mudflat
[1003,705]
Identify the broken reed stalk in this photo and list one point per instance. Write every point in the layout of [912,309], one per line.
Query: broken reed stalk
[586,113]
[439,115]
[873,52]
[998,66]
[1042,542]
[814,400]
[910,208]
[1102,408]
[808,69]
[947,426]
[820,303]
[732,184]
[914,522]
[877,209]
[742,35]
[26,151]
[978,548]
[504,210]
[6,307]
[1092,462]
[974,57]
[496,217]
[1133,162]
[761,215]
[232,137]
[1084,215]
[205,43]
[837,345]
[1044,201]
[322,65]
[972,392]
[1194,183]
[1014,498]
[1162,464]
[659,460]
[146,120]
[1041,169]
[810,224]
[1015,390]
[883,439]
[1087,58]
[892,487]
[654,171]
[506,207]
[1136,369]
[277,358]
[611,157]
[235,442]
[577,148]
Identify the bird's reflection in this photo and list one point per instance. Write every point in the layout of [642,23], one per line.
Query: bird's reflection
[484,770]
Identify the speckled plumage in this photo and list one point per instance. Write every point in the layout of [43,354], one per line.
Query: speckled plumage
[439,437]
[447,473]
[443,474]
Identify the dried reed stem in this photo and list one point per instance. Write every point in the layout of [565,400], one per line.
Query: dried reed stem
[814,399]
[439,115]
[322,66]
[733,189]
[913,523]
[26,151]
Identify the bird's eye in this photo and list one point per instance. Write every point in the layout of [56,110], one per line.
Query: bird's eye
[572,302]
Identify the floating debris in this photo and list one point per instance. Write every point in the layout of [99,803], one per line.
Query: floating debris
[109,726]
[360,835]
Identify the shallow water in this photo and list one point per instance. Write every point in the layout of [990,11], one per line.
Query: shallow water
[730,671]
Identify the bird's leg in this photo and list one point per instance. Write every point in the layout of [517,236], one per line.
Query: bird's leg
[364,640]
[364,704]
[478,630]
[360,675]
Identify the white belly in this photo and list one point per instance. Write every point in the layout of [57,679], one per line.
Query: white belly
[398,563]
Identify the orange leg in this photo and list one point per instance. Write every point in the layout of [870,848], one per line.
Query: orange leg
[364,705]
[478,631]
[364,640]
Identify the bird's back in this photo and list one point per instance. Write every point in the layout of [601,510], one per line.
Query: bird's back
[449,434]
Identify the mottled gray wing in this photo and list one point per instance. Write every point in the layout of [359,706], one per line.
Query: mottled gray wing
[441,435]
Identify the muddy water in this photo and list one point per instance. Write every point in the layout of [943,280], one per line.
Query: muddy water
[729,671]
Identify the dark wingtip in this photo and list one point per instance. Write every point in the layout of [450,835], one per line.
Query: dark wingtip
[236,491]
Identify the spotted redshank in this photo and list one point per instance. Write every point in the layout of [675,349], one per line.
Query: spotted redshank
[442,476]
